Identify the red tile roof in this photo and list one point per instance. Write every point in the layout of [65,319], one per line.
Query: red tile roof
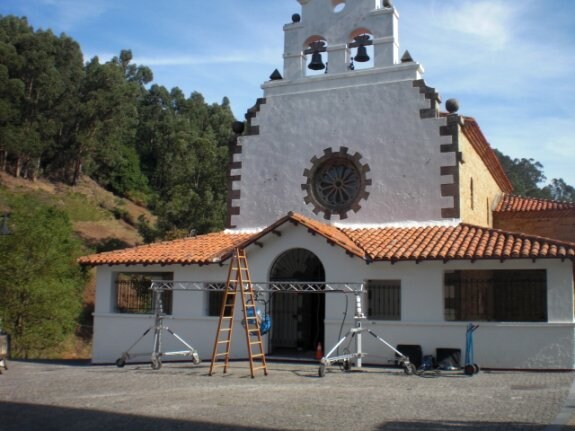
[202,249]
[477,139]
[515,204]
[462,242]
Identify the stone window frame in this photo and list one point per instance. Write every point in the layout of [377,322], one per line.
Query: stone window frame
[330,157]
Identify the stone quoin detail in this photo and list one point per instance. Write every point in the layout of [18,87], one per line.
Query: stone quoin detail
[251,114]
[454,122]
[431,95]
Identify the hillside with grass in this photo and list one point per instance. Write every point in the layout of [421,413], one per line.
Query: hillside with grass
[98,218]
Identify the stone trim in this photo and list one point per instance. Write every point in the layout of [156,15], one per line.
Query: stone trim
[251,114]
[454,122]
[235,148]
[431,95]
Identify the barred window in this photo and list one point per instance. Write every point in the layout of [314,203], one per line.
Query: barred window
[133,293]
[384,299]
[215,298]
[498,295]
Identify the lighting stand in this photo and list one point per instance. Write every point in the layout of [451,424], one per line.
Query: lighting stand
[357,332]
[158,327]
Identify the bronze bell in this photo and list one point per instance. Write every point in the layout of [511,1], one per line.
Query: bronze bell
[316,62]
[361,56]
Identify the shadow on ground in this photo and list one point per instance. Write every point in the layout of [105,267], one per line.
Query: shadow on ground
[466,426]
[34,417]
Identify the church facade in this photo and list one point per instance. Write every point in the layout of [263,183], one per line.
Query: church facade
[347,170]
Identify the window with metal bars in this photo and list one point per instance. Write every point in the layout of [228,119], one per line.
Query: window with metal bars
[497,295]
[384,299]
[134,294]
[215,298]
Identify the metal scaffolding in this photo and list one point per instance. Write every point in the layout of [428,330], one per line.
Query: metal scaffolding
[350,288]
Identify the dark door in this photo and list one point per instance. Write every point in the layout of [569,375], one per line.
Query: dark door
[297,317]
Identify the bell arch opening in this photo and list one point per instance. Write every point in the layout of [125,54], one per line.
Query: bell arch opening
[315,55]
[298,318]
[361,49]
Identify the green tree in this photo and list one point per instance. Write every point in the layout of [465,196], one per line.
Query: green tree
[526,175]
[183,145]
[43,72]
[560,191]
[528,180]
[42,284]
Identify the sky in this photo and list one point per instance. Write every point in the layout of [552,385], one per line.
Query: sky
[509,63]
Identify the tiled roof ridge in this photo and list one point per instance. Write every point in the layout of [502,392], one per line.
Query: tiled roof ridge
[465,241]
[168,252]
[358,251]
[461,242]
[510,203]
[523,235]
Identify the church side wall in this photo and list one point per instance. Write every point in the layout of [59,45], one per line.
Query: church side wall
[559,225]
[479,192]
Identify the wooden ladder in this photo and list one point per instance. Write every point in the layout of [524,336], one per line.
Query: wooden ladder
[239,282]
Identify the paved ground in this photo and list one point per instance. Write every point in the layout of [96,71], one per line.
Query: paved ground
[181,396]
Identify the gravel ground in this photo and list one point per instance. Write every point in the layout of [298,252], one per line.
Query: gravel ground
[181,396]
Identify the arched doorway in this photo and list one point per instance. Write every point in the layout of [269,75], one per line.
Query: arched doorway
[298,318]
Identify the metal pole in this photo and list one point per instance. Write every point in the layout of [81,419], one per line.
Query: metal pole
[359,316]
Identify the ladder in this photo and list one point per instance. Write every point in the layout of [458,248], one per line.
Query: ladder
[239,282]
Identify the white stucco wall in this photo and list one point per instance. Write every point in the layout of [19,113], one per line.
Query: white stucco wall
[374,112]
[497,345]
[380,121]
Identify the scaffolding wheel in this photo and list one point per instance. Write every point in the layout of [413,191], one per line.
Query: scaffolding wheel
[195,358]
[120,362]
[346,365]
[321,371]
[156,364]
[469,370]
[409,369]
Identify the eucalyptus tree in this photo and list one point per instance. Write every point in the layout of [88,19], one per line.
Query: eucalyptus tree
[43,72]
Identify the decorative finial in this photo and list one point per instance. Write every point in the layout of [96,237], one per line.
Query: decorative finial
[238,127]
[406,58]
[296,17]
[452,106]
[276,75]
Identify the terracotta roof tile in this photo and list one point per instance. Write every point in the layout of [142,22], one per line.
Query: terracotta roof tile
[195,250]
[332,234]
[392,244]
[515,204]
[454,242]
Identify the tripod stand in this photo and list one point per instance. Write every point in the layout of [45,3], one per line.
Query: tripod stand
[356,332]
[158,327]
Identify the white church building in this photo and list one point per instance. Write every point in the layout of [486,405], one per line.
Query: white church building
[347,169]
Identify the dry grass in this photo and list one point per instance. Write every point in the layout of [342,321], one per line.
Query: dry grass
[97,216]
